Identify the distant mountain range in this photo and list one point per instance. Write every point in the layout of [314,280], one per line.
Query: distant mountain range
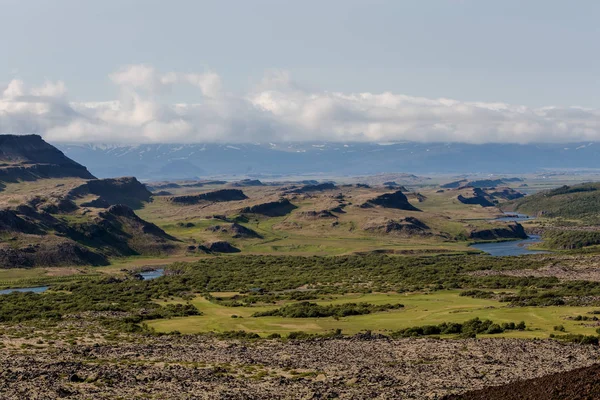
[180,161]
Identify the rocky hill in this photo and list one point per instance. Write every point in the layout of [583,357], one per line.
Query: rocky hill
[216,196]
[35,237]
[29,157]
[271,209]
[477,196]
[128,191]
[511,230]
[396,200]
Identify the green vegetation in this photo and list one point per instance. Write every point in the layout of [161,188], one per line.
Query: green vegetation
[570,240]
[470,328]
[130,297]
[371,273]
[306,309]
[349,293]
[419,309]
[578,202]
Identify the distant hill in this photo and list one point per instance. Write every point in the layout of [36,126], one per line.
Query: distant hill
[29,157]
[170,161]
[482,183]
[396,200]
[580,202]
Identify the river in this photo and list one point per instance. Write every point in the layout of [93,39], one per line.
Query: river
[511,248]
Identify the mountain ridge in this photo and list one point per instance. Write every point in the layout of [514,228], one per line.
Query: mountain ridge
[160,161]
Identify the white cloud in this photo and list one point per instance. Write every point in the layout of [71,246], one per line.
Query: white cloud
[276,110]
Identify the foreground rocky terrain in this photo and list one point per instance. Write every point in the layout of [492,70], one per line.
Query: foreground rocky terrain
[582,383]
[201,367]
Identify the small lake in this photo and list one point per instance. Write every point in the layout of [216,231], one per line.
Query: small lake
[38,289]
[148,275]
[512,248]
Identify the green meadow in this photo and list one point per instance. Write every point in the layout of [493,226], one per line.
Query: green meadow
[420,309]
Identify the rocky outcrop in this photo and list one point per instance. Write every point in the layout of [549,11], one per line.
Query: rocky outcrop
[11,222]
[38,236]
[320,187]
[216,196]
[271,209]
[312,215]
[396,200]
[96,203]
[29,157]
[60,254]
[127,190]
[509,231]
[505,193]
[221,246]
[477,197]
[236,231]
[455,184]
[407,226]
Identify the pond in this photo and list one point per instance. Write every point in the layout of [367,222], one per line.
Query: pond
[512,248]
[37,289]
[148,275]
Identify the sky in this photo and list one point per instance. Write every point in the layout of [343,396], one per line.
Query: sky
[475,71]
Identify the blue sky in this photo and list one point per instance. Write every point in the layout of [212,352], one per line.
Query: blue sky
[523,53]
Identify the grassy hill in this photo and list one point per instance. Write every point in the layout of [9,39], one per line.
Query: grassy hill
[578,202]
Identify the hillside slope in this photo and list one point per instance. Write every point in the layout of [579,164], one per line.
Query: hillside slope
[577,202]
[29,157]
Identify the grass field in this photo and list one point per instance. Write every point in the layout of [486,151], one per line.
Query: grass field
[420,309]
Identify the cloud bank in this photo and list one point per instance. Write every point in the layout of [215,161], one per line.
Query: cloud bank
[275,110]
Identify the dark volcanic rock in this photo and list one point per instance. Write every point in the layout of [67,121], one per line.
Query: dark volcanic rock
[579,384]
[454,185]
[216,196]
[50,255]
[396,199]
[271,209]
[11,222]
[221,246]
[127,190]
[478,197]
[506,193]
[509,231]
[235,230]
[29,157]
[314,188]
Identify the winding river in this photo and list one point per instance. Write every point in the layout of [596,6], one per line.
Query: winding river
[512,248]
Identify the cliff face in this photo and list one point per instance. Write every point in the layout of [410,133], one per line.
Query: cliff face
[509,231]
[29,157]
